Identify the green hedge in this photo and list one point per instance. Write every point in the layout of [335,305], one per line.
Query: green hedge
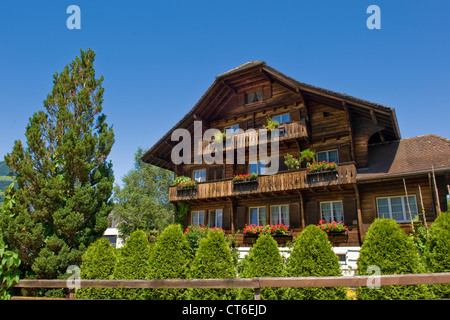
[313,256]
[134,263]
[170,260]
[387,247]
[213,259]
[98,262]
[437,252]
[263,260]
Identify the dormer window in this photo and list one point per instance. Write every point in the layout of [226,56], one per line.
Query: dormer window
[253,97]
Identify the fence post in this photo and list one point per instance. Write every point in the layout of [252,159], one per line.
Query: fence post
[257,290]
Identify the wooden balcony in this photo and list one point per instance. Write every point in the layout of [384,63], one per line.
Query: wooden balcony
[286,131]
[284,181]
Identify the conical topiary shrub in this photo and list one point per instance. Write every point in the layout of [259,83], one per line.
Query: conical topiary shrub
[133,263]
[263,260]
[212,260]
[98,262]
[170,260]
[387,248]
[437,252]
[312,256]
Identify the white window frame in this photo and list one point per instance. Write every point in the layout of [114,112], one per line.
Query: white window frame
[235,130]
[195,178]
[258,214]
[195,217]
[405,209]
[279,214]
[327,152]
[333,218]
[215,222]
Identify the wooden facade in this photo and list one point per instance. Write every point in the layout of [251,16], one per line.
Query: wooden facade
[355,131]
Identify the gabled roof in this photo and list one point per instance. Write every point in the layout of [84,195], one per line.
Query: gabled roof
[407,156]
[228,84]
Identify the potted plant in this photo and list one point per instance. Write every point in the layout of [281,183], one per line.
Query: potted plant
[271,125]
[185,185]
[307,155]
[219,137]
[249,177]
[291,162]
[332,227]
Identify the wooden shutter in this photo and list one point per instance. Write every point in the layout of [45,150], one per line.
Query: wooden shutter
[267,92]
[312,215]
[295,115]
[241,217]
[281,165]
[294,215]
[241,99]
[226,219]
[350,215]
[344,153]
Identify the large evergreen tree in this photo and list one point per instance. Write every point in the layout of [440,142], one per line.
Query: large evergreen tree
[63,179]
[143,200]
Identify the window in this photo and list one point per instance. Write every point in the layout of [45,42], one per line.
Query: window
[253,97]
[279,214]
[328,156]
[397,208]
[258,167]
[198,218]
[200,175]
[282,118]
[215,218]
[331,211]
[112,240]
[258,216]
[231,129]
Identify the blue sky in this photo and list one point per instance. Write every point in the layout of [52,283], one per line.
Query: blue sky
[158,58]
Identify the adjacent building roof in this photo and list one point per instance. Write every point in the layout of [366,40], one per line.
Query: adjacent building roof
[406,156]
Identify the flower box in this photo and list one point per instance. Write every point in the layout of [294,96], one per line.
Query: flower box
[322,176]
[186,191]
[245,182]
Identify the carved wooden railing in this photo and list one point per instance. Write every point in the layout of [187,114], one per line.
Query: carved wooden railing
[284,181]
[286,131]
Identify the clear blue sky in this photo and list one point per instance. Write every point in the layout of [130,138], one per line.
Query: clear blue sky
[158,58]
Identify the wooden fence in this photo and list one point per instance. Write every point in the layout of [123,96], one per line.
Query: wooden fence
[251,283]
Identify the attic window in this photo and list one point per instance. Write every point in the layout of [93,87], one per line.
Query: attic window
[253,97]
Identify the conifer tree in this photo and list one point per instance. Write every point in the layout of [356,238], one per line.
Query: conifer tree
[263,260]
[212,260]
[64,180]
[134,263]
[170,260]
[312,256]
[388,248]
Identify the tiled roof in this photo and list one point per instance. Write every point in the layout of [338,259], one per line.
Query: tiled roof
[405,156]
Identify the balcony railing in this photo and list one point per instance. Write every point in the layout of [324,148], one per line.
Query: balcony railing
[286,131]
[284,181]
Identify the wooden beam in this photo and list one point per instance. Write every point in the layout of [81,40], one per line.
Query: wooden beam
[359,214]
[374,117]
[350,131]
[302,210]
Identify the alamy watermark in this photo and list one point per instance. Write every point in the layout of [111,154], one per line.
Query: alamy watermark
[236,145]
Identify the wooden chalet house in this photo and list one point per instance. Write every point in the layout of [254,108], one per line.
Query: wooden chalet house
[377,172]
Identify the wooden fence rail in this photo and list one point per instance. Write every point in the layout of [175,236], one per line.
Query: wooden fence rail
[252,283]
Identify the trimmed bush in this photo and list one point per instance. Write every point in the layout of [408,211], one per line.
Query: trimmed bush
[213,260]
[312,256]
[263,260]
[388,247]
[170,260]
[97,263]
[437,252]
[133,263]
